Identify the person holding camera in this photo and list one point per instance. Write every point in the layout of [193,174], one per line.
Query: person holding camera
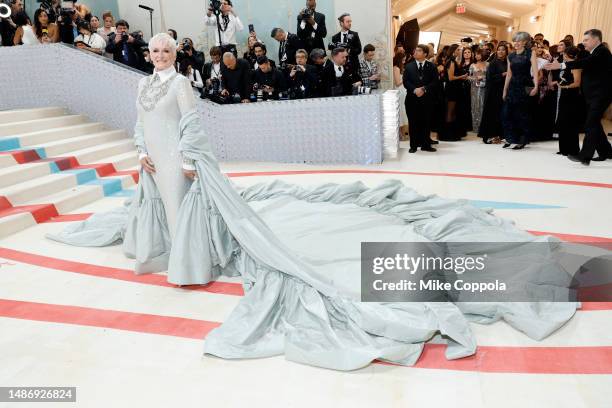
[348,39]
[89,40]
[311,27]
[222,16]
[125,48]
[186,50]
[211,73]
[7,26]
[302,77]
[338,79]
[235,79]
[269,80]
[369,68]
[186,69]
[289,44]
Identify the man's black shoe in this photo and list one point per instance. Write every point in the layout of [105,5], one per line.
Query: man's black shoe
[428,149]
[579,159]
[412,150]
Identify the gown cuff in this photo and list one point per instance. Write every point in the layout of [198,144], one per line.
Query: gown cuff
[189,164]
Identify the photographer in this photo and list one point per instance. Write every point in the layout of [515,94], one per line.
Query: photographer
[368,68]
[289,44]
[311,27]
[185,50]
[236,79]
[348,39]
[338,79]
[269,80]
[302,77]
[211,74]
[125,47]
[260,50]
[88,40]
[187,70]
[67,22]
[226,21]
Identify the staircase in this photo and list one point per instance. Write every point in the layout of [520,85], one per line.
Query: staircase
[52,162]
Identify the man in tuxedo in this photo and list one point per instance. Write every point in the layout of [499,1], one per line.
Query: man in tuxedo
[269,79]
[349,40]
[289,44]
[337,78]
[302,77]
[597,90]
[124,47]
[421,83]
[311,27]
[318,56]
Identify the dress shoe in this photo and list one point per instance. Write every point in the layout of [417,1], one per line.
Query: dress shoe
[519,147]
[412,150]
[598,159]
[507,145]
[428,149]
[433,142]
[579,159]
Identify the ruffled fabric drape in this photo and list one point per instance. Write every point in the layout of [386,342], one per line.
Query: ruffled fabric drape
[301,292]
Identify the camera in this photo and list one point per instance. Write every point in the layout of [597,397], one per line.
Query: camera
[215,6]
[307,13]
[186,46]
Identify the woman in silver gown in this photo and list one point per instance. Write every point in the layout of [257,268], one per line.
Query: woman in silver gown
[296,249]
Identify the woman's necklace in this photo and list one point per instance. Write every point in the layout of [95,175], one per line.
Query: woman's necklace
[154,91]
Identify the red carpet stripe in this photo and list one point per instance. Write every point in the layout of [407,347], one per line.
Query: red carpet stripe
[111,319]
[410,173]
[69,218]
[488,359]
[225,288]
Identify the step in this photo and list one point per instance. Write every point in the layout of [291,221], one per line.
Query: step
[16,129]
[122,162]
[12,224]
[61,147]
[51,135]
[23,172]
[21,115]
[69,200]
[103,152]
[6,160]
[21,193]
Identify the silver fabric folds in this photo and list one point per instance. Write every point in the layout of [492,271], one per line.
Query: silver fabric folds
[297,252]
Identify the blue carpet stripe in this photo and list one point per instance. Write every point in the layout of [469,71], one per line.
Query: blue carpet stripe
[9,143]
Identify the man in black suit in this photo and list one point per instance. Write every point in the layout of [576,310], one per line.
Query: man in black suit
[349,40]
[289,44]
[319,62]
[597,90]
[338,80]
[125,48]
[421,83]
[311,27]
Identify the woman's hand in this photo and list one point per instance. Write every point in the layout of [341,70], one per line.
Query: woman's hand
[147,165]
[505,95]
[534,92]
[190,174]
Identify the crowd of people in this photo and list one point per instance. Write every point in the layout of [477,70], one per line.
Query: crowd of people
[509,93]
[304,67]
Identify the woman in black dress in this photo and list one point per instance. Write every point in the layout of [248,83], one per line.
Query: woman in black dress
[571,106]
[518,89]
[439,111]
[459,108]
[491,128]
